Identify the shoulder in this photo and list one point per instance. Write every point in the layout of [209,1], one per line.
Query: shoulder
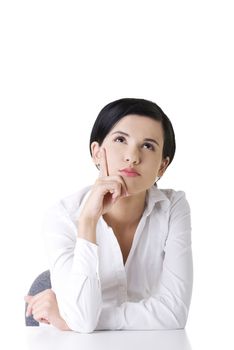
[178,211]
[168,199]
[59,223]
[175,197]
[172,194]
[68,206]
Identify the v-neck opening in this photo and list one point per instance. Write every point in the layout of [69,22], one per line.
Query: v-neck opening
[134,240]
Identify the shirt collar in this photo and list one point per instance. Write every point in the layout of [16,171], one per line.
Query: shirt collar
[156,197]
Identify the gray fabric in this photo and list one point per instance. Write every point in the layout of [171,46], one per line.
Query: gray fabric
[41,283]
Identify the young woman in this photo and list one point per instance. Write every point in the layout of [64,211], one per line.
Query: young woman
[120,250]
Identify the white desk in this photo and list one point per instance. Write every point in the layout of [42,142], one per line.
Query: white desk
[47,337]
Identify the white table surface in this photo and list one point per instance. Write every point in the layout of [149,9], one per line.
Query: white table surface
[48,337]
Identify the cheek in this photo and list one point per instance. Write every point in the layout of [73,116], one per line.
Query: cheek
[113,159]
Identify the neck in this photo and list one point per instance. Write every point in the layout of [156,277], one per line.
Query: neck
[127,211]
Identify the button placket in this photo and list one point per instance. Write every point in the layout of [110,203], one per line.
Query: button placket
[120,271]
[118,266]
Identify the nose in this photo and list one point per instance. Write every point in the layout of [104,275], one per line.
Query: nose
[132,157]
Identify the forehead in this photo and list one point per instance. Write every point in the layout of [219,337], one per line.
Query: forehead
[142,126]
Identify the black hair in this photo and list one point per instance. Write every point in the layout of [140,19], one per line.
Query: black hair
[116,110]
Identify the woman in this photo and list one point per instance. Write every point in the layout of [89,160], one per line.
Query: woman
[120,250]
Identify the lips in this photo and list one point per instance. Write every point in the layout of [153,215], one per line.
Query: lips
[129,172]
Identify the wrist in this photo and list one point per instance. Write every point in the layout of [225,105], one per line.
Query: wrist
[87,229]
[61,324]
[87,221]
[64,326]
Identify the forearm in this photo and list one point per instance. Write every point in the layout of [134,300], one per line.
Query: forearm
[157,312]
[87,229]
[73,257]
[60,324]
[75,281]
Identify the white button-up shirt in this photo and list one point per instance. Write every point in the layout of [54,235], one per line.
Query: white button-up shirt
[95,290]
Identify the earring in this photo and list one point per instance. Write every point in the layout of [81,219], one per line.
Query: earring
[98,166]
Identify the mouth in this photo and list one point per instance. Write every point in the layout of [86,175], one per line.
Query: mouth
[129,172]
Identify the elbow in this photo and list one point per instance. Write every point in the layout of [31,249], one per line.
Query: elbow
[181,324]
[176,319]
[84,327]
[82,317]
[179,321]
[174,324]
[89,328]
[83,323]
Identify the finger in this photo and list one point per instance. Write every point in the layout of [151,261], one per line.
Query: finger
[103,163]
[115,185]
[124,187]
[120,193]
[28,311]
[28,298]
[124,190]
[32,299]
[43,320]
[116,191]
[41,306]
[41,311]
[41,316]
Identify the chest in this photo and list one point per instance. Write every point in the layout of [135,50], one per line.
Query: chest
[125,239]
[144,245]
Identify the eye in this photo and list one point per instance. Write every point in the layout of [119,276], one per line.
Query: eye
[149,146]
[119,139]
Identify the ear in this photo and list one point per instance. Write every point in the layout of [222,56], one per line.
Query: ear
[95,150]
[163,166]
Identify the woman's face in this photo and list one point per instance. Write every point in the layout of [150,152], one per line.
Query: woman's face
[135,143]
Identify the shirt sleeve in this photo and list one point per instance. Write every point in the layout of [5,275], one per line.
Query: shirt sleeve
[168,306]
[74,271]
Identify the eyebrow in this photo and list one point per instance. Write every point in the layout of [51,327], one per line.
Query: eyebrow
[124,133]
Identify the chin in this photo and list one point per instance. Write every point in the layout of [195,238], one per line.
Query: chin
[136,191]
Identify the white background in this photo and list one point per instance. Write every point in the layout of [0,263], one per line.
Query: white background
[61,62]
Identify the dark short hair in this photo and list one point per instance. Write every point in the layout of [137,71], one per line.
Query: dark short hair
[116,110]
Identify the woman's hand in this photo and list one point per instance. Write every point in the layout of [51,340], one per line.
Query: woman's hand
[44,308]
[104,194]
